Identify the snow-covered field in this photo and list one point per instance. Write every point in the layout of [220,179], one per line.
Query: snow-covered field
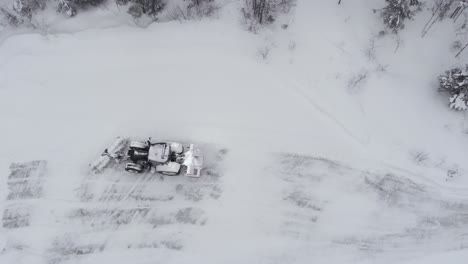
[329,150]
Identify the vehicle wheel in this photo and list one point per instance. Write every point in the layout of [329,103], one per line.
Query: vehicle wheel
[169,173]
[134,168]
[138,145]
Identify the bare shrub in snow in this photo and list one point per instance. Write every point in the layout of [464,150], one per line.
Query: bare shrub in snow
[292,45]
[451,173]
[138,8]
[456,45]
[370,51]
[397,11]
[264,52]
[419,156]
[455,82]
[357,81]
[177,13]
[201,8]
[263,12]
[193,9]
[380,68]
[71,7]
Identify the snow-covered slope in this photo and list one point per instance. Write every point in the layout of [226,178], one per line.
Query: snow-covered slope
[325,151]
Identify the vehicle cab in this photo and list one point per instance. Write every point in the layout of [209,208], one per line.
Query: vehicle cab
[159,153]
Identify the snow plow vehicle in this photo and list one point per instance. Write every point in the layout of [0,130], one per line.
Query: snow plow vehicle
[167,158]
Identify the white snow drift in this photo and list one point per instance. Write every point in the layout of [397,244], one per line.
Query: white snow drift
[334,149]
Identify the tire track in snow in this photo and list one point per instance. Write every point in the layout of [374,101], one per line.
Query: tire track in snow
[385,215]
[334,120]
[125,212]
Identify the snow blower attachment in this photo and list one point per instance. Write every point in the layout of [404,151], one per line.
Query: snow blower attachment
[168,158]
[110,154]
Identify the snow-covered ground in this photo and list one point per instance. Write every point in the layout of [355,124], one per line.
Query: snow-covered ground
[325,151]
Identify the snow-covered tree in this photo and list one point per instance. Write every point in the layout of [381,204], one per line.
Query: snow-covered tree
[10,16]
[458,101]
[397,11]
[66,7]
[25,8]
[138,8]
[70,7]
[259,11]
[455,82]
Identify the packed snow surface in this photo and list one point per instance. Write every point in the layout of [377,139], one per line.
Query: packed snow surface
[321,147]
